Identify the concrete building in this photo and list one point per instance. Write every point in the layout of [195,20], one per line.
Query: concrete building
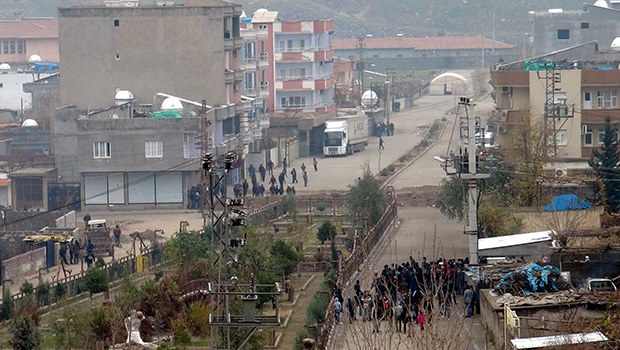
[582,99]
[556,29]
[442,52]
[144,160]
[20,39]
[300,78]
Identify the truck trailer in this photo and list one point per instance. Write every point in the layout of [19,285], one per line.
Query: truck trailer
[345,135]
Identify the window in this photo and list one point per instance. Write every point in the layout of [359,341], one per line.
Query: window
[293,102]
[153,149]
[585,25]
[21,46]
[587,135]
[12,46]
[561,138]
[117,22]
[191,145]
[101,150]
[5,47]
[563,34]
[601,135]
[607,99]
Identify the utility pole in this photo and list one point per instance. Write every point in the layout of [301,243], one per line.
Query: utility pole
[360,67]
[472,178]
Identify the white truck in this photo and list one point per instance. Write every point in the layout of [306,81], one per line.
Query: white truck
[346,134]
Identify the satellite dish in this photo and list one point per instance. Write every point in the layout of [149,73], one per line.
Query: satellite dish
[34,58]
[171,104]
[114,116]
[615,45]
[29,123]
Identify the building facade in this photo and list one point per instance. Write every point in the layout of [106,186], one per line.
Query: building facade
[20,39]
[122,159]
[557,29]
[442,52]
[300,78]
[582,100]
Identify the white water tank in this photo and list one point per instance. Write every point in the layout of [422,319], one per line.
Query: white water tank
[122,97]
[5,66]
[369,99]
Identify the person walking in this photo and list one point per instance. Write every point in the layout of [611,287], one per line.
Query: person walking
[284,164]
[117,236]
[381,143]
[262,171]
[63,253]
[270,167]
[315,163]
[351,310]
[245,187]
[305,178]
[337,310]
[76,252]
[303,167]
[421,320]
[468,298]
[294,176]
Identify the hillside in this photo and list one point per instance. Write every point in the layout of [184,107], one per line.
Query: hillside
[379,17]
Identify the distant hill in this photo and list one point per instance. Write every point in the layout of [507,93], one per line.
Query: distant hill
[379,17]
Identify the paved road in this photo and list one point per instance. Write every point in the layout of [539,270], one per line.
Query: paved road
[336,173]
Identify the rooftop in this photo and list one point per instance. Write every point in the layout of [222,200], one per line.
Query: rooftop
[30,28]
[427,43]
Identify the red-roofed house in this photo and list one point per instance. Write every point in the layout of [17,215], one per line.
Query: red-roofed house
[425,52]
[20,39]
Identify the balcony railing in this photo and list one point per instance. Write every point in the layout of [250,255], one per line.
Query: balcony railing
[301,49]
[303,77]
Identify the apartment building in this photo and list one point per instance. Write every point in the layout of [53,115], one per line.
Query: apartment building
[300,77]
[556,29]
[119,140]
[20,39]
[582,100]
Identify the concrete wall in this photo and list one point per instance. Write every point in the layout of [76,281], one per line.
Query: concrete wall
[560,220]
[18,267]
[603,26]
[179,50]
[66,221]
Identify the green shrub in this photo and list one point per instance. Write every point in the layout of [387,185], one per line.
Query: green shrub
[60,291]
[198,318]
[95,281]
[43,293]
[180,331]
[6,310]
[24,334]
[316,309]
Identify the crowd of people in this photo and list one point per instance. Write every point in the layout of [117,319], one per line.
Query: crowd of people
[261,175]
[405,295]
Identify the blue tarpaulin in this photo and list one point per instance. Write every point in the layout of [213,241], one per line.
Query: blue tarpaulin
[566,202]
[40,67]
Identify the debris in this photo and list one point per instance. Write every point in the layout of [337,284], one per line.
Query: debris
[532,279]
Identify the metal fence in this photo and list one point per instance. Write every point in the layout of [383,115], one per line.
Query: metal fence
[350,266]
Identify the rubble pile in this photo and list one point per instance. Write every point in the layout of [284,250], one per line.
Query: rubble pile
[532,279]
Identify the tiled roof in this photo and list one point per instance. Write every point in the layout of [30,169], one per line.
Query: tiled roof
[426,43]
[30,28]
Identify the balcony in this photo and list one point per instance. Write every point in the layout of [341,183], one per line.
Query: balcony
[324,55]
[249,64]
[239,74]
[229,75]
[263,60]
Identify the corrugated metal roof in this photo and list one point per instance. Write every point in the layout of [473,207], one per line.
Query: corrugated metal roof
[264,16]
[30,28]
[512,240]
[426,43]
[558,340]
